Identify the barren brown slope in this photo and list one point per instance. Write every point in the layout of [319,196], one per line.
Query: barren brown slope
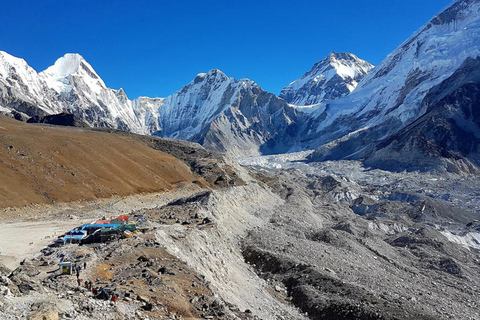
[45,164]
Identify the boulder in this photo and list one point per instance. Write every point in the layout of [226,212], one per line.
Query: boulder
[43,311]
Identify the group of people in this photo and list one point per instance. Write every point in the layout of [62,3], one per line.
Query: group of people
[88,285]
[104,294]
[79,268]
[99,293]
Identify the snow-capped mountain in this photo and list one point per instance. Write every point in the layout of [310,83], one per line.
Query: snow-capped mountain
[238,117]
[21,88]
[82,92]
[227,115]
[447,136]
[222,113]
[331,78]
[391,96]
[71,85]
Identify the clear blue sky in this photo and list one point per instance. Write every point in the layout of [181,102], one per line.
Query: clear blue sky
[153,48]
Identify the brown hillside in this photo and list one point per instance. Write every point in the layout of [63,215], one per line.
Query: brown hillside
[45,164]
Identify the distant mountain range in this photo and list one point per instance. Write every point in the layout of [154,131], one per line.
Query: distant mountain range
[390,116]
[221,113]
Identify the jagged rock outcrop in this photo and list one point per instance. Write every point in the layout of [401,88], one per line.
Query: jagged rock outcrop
[62,119]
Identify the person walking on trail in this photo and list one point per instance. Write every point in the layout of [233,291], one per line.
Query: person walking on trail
[79,281]
[85,265]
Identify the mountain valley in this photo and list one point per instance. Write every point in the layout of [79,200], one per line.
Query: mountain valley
[353,194]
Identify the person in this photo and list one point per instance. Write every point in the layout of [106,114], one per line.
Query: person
[85,265]
[104,294]
[94,291]
[115,298]
[79,281]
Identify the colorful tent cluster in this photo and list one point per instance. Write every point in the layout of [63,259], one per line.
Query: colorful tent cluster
[100,231]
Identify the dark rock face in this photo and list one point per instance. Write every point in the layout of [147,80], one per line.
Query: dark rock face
[259,120]
[62,119]
[4,271]
[447,136]
[452,13]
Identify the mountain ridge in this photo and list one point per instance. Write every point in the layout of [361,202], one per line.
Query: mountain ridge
[335,76]
[341,115]
[390,97]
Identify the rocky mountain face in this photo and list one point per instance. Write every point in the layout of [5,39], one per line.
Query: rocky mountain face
[333,77]
[22,90]
[447,136]
[392,95]
[227,115]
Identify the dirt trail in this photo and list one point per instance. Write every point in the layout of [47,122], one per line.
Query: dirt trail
[27,230]
[20,240]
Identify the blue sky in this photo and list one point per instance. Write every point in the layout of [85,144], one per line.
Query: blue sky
[153,48]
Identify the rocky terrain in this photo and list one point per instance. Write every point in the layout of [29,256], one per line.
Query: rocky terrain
[177,268]
[293,241]
[376,218]
[349,243]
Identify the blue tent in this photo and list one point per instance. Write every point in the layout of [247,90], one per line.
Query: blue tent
[75,235]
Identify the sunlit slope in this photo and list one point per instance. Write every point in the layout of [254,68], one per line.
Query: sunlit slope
[44,164]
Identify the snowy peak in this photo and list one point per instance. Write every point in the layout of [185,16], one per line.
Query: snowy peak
[212,74]
[69,64]
[59,75]
[22,89]
[186,112]
[8,61]
[347,65]
[334,77]
[211,77]
[397,86]
[392,96]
